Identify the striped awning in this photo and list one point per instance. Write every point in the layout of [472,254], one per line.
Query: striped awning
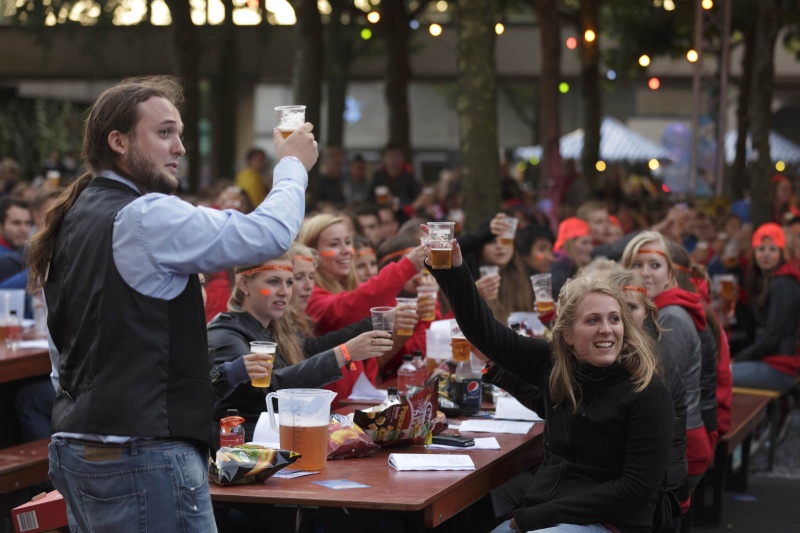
[617,143]
[780,148]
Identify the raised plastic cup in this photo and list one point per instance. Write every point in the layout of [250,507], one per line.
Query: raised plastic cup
[543,292]
[489,270]
[268,348]
[459,344]
[507,238]
[382,318]
[426,302]
[408,303]
[290,118]
[440,238]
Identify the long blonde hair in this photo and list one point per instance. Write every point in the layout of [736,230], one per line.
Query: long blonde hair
[294,317]
[283,333]
[309,236]
[638,243]
[630,280]
[637,355]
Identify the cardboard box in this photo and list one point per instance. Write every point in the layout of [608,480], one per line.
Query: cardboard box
[43,513]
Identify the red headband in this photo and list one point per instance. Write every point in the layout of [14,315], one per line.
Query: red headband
[651,251]
[683,269]
[265,268]
[399,253]
[634,288]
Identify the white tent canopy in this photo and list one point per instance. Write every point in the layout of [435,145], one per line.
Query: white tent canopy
[780,148]
[617,143]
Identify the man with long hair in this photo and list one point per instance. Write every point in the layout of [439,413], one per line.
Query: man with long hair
[118,257]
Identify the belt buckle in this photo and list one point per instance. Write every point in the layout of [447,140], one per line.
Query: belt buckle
[101,453]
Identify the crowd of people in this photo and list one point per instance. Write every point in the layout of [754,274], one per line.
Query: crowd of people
[153,301]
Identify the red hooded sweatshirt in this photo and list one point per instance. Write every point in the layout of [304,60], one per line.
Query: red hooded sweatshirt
[699,449]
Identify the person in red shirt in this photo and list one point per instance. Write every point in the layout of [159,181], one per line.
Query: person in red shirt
[771,361]
[337,299]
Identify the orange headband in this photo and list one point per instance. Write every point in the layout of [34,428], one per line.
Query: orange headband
[683,269]
[651,251]
[365,251]
[264,269]
[399,253]
[303,258]
[634,288]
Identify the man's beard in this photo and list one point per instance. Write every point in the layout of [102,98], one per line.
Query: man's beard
[148,176]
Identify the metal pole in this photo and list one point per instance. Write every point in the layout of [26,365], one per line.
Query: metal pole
[722,119]
[696,96]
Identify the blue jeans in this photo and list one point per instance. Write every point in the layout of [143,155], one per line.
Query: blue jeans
[158,485]
[505,527]
[759,375]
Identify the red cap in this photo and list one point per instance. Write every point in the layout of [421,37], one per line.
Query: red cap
[570,228]
[772,231]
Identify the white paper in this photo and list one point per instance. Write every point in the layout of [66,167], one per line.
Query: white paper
[264,434]
[495,426]
[364,390]
[484,443]
[39,344]
[509,408]
[424,461]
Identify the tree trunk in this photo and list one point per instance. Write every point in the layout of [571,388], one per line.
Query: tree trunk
[551,179]
[590,90]
[477,109]
[761,109]
[396,33]
[226,98]
[307,72]
[340,52]
[739,169]
[187,53]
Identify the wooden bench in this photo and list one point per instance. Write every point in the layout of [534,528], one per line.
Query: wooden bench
[23,465]
[747,412]
[773,411]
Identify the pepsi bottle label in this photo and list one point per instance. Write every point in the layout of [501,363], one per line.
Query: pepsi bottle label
[470,397]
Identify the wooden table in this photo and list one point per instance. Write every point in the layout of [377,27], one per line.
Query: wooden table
[23,363]
[436,495]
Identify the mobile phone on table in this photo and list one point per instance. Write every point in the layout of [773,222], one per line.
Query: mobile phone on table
[453,440]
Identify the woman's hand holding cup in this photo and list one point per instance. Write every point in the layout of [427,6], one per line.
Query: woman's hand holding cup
[368,344]
[457,259]
[258,366]
[405,319]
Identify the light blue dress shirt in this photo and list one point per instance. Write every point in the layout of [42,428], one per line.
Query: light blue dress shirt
[160,240]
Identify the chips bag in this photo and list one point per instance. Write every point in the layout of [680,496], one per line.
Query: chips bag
[346,439]
[401,420]
[248,463]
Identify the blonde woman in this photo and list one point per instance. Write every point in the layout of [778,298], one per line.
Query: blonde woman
[680,315]
[259,300]
[608,414]
[338,299]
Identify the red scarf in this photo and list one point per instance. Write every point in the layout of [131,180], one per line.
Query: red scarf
[688,300]
[787,269]
[789,364]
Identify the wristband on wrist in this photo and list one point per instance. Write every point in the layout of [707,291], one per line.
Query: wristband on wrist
[348,363]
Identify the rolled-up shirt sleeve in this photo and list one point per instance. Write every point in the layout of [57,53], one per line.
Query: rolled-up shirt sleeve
[160,240]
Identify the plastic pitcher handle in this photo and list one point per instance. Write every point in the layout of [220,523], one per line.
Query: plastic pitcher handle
[271,411]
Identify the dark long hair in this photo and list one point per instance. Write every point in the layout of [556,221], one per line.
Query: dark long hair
[116,109]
